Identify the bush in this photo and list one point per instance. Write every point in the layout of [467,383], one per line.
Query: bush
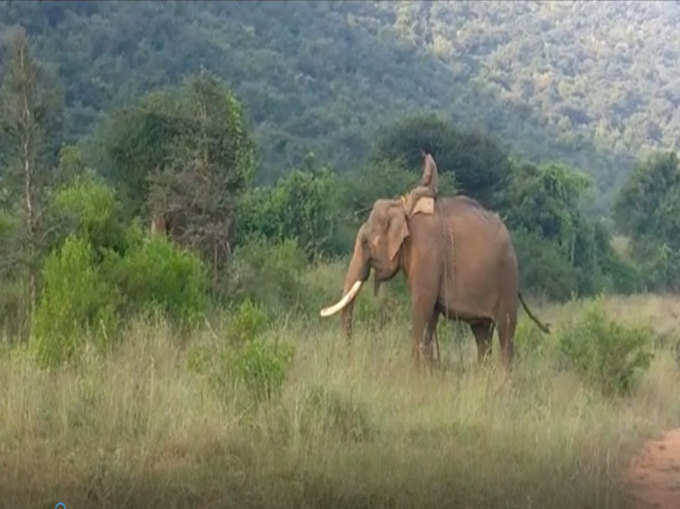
[268,274]
[262,366]
[90,208]
[605,353]
[302,206]
[246,322]
[156,274]
[259,365]
[77,302]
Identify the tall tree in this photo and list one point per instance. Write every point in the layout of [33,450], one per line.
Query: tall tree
[481,167]
[647,209]
[30,116]
[182,156]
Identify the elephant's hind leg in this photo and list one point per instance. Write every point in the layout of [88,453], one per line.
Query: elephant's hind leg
[483,331]
[506,331]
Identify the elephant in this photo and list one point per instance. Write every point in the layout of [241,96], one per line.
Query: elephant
[459,261]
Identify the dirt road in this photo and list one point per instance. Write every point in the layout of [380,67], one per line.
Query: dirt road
[655,474]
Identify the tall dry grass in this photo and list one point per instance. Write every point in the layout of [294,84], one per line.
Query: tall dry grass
[353,427]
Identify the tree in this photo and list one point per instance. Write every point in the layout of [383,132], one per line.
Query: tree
[30,115]
[480,166]
[301,206]
[561,250]
[182,156]
[654,190]
[546,199]
[648,209]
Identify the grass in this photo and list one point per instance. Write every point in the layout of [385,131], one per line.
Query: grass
[352,427]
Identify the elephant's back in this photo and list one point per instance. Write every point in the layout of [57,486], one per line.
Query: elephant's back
[470,224]
[480,249]
[465,210]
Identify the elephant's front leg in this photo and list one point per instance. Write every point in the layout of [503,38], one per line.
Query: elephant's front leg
[432,338]
[422,311]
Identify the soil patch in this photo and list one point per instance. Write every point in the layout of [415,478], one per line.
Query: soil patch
[654,474]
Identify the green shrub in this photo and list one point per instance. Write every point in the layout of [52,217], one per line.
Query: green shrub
[77,302]
[247,321]
[262,366]
[258,365]
[268,273]
[90,209]
[247,359]
[302,206]
[607,354]
[156,274]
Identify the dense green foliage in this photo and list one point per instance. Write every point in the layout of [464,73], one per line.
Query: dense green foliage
[589,83]
[88,207]
[182,156]
[562,251]
[101,271]
[155,274]
[648,209]
[268,273]
[302,206]
[77,302]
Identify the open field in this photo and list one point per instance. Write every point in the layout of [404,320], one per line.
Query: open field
[145,427]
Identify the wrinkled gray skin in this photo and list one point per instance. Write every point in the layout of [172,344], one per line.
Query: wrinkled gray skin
[459,262]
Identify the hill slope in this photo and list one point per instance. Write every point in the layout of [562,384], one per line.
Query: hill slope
[590,83]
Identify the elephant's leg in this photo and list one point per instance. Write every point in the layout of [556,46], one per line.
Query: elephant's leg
[432,338]
[483,331]
[422,310]
[506,330]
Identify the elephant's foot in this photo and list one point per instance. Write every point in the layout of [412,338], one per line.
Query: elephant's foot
[423,354]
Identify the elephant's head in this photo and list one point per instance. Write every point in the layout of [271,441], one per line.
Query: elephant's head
[377,246]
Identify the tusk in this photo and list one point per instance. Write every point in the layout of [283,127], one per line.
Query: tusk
[346,299]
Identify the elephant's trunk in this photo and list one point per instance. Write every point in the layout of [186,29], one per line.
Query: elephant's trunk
[357,273]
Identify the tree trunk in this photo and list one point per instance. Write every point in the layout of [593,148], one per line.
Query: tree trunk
[29,225]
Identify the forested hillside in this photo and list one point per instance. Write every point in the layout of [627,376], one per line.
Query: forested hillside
[592,84]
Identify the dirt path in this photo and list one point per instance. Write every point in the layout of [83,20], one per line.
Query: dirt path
[655,474]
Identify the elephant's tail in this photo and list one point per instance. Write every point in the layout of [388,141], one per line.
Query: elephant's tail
[544,327]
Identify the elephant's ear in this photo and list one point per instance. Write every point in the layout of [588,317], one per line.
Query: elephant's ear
[398,231]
